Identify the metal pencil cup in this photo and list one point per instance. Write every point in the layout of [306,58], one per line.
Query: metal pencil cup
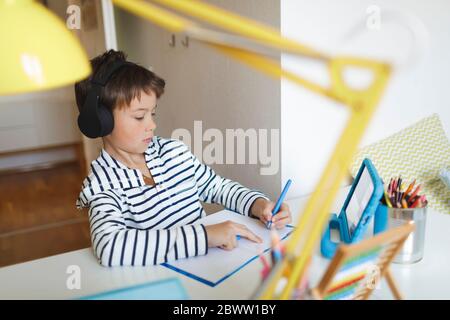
[388,218]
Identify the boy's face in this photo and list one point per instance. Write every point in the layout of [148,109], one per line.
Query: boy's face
[134,124]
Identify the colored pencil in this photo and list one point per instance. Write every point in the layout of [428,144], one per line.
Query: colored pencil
[409,189]
[404,204]
[388,202]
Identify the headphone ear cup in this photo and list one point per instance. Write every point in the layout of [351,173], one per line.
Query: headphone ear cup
[88,121]
[106,120]
[86,126]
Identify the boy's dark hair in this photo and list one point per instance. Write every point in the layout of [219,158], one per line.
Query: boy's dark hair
[123,86]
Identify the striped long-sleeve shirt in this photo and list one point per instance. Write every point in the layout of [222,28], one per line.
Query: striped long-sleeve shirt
[132,223]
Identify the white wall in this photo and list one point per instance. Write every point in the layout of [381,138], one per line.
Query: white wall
[38,120]
[93,40]
[311,124]
[204,85]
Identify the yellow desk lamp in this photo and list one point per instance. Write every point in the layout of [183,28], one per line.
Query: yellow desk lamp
[38,51]
[252,43]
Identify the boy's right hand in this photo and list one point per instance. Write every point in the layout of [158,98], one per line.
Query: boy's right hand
[224,235]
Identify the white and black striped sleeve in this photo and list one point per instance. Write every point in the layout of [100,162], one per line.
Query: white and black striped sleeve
[116,245]
[215,189]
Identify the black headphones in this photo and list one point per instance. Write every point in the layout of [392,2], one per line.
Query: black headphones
[96,120]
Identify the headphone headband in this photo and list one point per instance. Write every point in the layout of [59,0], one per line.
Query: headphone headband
[102,79]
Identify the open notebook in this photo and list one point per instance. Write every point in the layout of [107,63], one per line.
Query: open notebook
[220,264]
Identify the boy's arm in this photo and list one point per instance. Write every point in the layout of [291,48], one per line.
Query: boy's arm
[116,245]
[215,189]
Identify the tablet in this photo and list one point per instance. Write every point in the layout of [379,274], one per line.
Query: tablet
[356,213]
[362,201]
[359,201]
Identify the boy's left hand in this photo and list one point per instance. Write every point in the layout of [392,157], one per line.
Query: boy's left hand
[262,210]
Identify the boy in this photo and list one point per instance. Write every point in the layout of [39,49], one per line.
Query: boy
[144,191]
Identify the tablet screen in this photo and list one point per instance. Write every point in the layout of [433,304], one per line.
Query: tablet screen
[359,200]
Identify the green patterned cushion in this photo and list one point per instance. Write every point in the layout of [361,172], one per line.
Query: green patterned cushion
[417,152]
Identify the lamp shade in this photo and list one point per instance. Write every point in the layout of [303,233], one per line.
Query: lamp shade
[38,51]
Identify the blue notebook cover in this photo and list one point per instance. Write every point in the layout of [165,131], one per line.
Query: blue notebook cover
[167,289]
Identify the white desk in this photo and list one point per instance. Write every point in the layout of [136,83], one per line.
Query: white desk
[46,278]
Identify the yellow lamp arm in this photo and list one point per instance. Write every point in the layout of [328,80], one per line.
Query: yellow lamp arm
[248,35]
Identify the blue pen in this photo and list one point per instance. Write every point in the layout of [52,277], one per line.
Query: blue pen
[279,202]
